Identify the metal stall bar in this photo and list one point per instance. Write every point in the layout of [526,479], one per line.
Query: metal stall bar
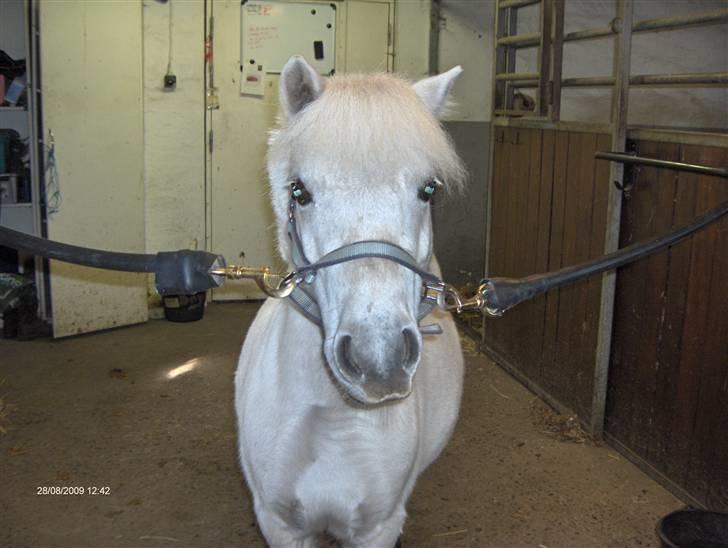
[620,102]
[590,34]
[433,61]
[510,76]
[648,25]
[681,21]
[549,85]
[36,151]
[543,98]
[661,23]
[678,166]
[557,49]
[506,19]
[505,4]
[507,41]
[694,79]
[521,40]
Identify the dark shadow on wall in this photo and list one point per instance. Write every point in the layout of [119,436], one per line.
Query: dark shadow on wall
[459,221]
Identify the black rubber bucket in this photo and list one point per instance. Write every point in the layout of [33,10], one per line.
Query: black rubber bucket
[184,308]
[693,529]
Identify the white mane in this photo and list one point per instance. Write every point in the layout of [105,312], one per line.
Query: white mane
[375,126]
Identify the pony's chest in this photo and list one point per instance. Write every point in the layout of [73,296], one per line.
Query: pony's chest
[363,441]
[352,469]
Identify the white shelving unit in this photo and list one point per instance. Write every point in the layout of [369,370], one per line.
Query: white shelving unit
[16,17]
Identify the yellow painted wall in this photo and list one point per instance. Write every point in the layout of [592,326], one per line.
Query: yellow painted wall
[174,126]
[411,37]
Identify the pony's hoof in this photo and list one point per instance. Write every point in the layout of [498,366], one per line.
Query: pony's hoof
[398,544]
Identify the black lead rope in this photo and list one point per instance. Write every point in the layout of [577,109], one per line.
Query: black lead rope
[183,272]
[497,295]
[502,294]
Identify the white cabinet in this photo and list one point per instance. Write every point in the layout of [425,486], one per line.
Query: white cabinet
[91,63]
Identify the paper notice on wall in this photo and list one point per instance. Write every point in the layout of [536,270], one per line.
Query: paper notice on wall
[252,81]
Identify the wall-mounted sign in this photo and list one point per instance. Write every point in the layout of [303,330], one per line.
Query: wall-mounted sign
[271,32]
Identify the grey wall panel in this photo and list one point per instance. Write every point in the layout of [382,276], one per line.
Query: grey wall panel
[460,220]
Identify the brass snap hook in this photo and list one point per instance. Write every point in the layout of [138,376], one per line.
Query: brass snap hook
[273,284]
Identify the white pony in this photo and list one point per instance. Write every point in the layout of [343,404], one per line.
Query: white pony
[334,426]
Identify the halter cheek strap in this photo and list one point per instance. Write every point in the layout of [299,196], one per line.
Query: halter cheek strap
[306,272]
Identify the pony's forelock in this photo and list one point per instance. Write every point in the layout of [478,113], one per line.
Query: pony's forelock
[370,125]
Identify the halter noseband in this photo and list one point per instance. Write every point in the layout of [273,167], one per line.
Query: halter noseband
[433,290]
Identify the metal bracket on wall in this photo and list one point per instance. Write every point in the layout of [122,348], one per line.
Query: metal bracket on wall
[631,172]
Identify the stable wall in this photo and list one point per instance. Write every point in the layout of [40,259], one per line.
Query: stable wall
[549,210]
[412,38]
[465,38]
[668,370]
[174,126]
[668,376]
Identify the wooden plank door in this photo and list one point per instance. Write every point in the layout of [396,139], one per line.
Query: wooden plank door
[548,198]
[668,374]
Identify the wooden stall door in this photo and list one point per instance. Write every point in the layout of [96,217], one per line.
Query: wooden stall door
[548,210]
[668,377]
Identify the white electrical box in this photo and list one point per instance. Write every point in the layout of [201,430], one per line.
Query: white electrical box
[271,32]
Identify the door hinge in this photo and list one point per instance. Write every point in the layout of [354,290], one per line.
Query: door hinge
[210,141]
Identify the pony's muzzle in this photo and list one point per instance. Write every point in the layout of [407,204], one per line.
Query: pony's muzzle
[378,367]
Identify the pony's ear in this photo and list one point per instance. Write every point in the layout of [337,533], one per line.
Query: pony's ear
[434,90]
[300,85]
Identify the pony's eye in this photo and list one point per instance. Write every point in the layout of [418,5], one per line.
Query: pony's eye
[428,191]
[299,193]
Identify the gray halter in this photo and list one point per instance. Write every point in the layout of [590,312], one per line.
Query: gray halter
[306,271]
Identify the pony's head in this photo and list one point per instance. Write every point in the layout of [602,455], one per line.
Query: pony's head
[365,147]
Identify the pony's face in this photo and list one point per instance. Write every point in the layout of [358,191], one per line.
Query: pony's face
[365,148]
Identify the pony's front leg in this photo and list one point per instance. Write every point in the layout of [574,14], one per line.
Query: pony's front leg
[278,534]
[385,535]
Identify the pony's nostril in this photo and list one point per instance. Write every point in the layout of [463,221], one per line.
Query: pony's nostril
[411,355]
[346,361]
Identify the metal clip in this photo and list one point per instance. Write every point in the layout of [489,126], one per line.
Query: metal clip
[435,291]
[485,292]
[263,278]
[449,298]
[455,301]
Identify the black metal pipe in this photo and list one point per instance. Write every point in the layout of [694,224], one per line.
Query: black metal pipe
[679,166]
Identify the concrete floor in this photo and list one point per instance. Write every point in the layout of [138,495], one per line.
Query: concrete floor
[164,446]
